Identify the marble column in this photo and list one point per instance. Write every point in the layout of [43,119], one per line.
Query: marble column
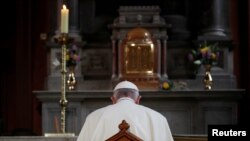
[119,58]
[216,19]
[159,57]
[164,55]
[114,59]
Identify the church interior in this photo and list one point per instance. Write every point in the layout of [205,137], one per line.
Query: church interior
[153,43]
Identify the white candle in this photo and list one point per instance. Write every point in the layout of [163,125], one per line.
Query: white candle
[64,19]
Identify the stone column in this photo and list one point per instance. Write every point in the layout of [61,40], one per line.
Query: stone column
[159,57]
[114,59]
[164,54]
[216,19]
[119,58]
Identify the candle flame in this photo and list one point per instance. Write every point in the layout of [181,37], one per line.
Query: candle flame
[64,6]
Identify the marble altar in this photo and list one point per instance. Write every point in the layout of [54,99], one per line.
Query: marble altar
[188,112]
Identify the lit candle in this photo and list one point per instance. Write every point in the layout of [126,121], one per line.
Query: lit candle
[64,19]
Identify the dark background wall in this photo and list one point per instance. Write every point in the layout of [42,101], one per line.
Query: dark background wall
[242,53]
[24,66]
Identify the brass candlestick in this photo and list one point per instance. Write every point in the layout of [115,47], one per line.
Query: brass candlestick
[63,40]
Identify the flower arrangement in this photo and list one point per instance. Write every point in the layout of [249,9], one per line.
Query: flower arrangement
[166,85]
[72,56]
[205,54]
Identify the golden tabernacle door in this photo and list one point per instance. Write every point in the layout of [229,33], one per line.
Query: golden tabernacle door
[139,59]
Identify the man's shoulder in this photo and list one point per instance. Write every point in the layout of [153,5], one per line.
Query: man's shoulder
[99,111]
[152,111]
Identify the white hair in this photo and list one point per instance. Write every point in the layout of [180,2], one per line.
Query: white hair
[125,92]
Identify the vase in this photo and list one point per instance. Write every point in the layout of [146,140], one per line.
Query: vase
[208,80]
[71,80]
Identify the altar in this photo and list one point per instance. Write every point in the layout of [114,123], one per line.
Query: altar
[188,112]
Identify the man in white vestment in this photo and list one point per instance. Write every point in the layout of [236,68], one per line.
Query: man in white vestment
[144,122]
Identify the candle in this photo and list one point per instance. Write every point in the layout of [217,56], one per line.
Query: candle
[64,19]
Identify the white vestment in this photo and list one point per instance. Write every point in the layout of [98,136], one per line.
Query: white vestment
[144,122]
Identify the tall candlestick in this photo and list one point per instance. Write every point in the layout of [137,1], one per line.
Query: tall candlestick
[64,19]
